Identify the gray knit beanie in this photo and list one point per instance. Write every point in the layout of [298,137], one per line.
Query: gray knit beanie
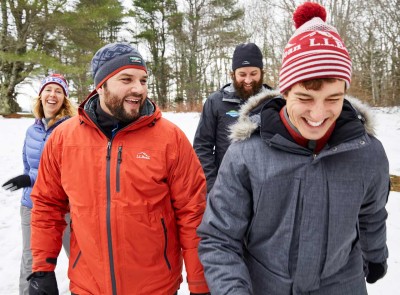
[113,58]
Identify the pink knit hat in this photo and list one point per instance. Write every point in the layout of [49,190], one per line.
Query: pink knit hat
[314,51]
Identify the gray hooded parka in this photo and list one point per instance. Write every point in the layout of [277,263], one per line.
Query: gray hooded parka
[282,220]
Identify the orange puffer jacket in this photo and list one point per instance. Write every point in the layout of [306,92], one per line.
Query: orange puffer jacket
[135,204]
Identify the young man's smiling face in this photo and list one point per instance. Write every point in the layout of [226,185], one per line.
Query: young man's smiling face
[312,112]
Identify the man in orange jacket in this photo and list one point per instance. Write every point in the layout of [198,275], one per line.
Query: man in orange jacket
[133,185]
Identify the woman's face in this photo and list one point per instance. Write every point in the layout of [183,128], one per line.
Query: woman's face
[52,98]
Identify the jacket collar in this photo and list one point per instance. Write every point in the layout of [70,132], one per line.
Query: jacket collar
[40,123]
[313,145]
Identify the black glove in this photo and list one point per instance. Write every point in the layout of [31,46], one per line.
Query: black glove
[17,182]
[43,283]
[375,271]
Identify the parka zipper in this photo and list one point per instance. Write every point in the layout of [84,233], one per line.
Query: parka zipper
[108,220]
[166,243]
[119,160]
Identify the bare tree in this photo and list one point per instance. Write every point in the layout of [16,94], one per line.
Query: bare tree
[209,29]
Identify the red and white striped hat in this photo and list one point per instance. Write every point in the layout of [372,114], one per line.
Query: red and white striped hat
[314,51]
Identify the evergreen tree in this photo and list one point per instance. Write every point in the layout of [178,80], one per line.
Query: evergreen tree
[25,39]
[82,31]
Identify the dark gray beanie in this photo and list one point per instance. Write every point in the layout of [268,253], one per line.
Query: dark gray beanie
[112,58]
[247,55]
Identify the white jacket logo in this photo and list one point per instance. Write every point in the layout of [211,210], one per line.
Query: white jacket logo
[143,155]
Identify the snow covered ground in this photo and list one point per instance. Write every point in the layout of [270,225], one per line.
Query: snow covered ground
[12,132]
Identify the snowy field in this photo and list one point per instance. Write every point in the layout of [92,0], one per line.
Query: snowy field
[12,132]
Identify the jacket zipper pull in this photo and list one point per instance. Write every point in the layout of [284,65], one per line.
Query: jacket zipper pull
[119,159]
[108,150]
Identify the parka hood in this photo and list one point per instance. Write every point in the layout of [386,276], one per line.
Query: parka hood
[250,114]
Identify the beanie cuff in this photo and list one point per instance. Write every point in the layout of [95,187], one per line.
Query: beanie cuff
[247,64]
[117,64]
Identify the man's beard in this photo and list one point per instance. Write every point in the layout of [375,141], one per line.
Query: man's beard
[116,106]
[244,93]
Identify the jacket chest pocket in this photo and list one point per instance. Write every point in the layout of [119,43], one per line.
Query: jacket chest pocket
[139,172]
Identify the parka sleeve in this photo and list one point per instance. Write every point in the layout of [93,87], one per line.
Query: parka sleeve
[373,215]
[205,140]
[25,160]
[223,229]
[50,204]
[188,194]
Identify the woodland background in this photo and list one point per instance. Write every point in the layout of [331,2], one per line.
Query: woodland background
[188,44]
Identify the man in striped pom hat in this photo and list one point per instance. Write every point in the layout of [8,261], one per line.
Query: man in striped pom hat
[315,63]
[298,206]
[314,51]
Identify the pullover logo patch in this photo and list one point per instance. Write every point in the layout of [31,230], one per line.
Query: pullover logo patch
[143,155]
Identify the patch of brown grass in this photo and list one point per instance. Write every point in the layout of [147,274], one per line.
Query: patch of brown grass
[395,180]
[184,108]
[17,115]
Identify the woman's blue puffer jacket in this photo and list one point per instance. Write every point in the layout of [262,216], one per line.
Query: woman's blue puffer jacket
[35,139]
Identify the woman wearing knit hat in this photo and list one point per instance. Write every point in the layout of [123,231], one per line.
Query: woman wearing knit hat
[298,206]
[221,108]
[51,108]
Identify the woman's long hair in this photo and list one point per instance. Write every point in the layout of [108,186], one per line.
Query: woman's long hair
[67,109]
